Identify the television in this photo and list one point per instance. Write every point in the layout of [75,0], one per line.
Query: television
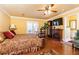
[58,22]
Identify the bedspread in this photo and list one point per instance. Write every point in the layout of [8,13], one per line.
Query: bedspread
[19,43]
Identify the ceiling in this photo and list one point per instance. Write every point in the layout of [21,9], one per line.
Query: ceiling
[30,10]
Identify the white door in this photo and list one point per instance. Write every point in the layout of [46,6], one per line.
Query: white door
[32,27]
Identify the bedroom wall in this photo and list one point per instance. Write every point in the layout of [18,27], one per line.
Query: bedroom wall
[4,21]
[20,23]
[72,31]
[67,16]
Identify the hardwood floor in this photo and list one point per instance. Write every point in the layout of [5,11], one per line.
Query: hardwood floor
[60,47]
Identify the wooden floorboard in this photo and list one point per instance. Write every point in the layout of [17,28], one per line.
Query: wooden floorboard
[60,47]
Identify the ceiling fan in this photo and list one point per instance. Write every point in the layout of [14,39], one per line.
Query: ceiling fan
[47,9]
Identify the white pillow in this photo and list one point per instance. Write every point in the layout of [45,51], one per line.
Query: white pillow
[1,39]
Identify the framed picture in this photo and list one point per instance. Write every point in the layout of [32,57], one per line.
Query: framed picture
[73,24]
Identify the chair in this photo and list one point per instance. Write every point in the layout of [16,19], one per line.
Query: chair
[76,43]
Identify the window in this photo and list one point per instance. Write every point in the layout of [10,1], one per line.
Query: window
[32,27]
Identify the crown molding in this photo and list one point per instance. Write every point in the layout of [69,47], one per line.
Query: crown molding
[2,10]
[67,12]
[26,18]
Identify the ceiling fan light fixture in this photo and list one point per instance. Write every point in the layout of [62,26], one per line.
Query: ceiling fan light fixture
[50,7]
[47,12]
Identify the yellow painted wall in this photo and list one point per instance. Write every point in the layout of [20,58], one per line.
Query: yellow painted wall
[20,23]
[70,18]
[4,21]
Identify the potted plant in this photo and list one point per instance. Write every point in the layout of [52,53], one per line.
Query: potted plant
[45,25]
[43,30]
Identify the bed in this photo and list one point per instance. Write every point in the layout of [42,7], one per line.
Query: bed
[20,44]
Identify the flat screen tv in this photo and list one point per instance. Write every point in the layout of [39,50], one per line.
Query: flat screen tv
[58,22]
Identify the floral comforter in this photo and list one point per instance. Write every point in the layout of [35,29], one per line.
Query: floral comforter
[20,43]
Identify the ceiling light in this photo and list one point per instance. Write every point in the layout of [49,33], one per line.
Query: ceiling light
[47,12]
[50,7]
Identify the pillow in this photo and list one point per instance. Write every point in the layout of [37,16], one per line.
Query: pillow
[2,37]
[8,35]
[13,32]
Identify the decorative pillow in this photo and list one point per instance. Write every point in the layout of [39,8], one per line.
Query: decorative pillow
[13,32]
[2,37]
[8,35]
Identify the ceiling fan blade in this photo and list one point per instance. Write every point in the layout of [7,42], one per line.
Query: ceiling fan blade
[46,8]
[40,10]
[54,11]
[52,5]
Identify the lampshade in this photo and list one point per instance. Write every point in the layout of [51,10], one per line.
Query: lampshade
[12,27]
